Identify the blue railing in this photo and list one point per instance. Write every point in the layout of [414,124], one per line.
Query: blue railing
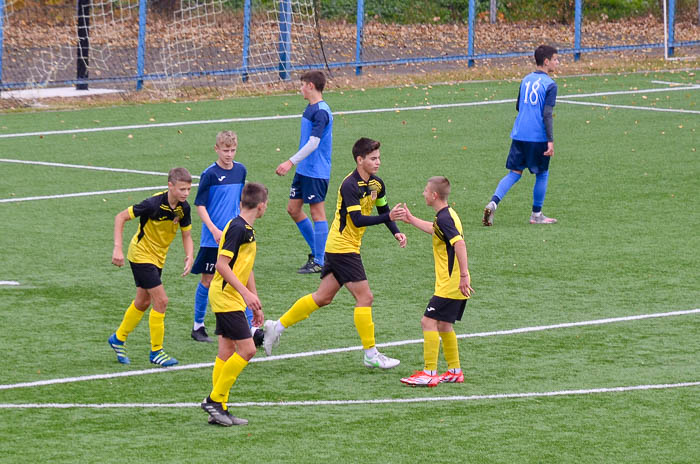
[285,67]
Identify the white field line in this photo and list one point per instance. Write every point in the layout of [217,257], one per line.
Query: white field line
[306,354]
[85,194]
[82,166]
[338,113]
[9,282]
[630,107]
[496,396]
[670,83]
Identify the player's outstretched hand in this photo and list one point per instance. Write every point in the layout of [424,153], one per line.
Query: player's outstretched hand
[550,149]
[188,265]
[408,216]
[401,238]
[118,258]
[397,213]
[283,168]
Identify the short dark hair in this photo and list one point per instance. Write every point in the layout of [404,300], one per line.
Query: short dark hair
[179,175]
[253,194]
[441,186]
[317,78]
[364,147]
[544,52]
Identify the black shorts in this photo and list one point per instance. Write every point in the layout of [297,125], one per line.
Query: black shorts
[445,309]
[345,267]
[146,275]
[205,262]
[232,325]
[528,155]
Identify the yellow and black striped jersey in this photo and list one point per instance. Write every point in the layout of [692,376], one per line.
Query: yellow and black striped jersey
[447,230]
[238,243]
[158,224]
[354,194]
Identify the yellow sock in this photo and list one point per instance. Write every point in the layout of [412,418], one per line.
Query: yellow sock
[156,322]
[132,317]
[229,373]
[299,311]
[450,349]
[365,326]
[216,373]
[431,349]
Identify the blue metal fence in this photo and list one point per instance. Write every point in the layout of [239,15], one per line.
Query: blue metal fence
[284,48]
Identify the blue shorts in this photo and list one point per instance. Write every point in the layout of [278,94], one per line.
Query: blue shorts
[309,189]
[528,155]
[205,262]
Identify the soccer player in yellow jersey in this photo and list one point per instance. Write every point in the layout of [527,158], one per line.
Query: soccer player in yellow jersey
[452,286]
[232,289]
[359,193]
[160,216]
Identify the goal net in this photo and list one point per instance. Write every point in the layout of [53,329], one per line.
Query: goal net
[172,48]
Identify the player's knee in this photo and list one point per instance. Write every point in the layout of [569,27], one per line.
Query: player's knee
[160,304]
[246,350]
[366,299]
[322,300]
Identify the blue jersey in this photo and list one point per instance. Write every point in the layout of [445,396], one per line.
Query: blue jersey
[536,90]
[220,193]
[317,121]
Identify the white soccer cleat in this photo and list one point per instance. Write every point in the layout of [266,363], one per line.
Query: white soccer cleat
[272,336]
[381,361]
[539,218]
[489,211]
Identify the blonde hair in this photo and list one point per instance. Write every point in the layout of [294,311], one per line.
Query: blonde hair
[226,139]
[441,186]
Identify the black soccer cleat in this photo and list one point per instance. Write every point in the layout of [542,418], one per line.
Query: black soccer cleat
[258,337]
[201,335]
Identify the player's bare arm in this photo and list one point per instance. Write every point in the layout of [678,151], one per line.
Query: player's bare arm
[464,279]
[189,250]
[251,299]
[118,253]
[204,216]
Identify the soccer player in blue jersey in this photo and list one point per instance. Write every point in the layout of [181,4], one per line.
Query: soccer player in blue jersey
[532,143]
[313,170]
[218,201]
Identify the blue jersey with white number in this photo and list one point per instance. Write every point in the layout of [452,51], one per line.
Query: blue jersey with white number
[317,121]
[536,90]
[220,193]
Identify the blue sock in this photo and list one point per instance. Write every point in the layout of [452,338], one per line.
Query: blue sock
[201,298]
[320,235]
[504,185]
[307,231]
[539,191]
[249,316]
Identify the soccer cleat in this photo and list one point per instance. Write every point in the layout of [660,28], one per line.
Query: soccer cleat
[539,218]
[450,377]
[272,336]
[381,361]
[119,348]
[201,335]
[217,413]
[258,337]
[161,358]
[489,211]
[235,420]
[421,379]
[304,268]
[311,267]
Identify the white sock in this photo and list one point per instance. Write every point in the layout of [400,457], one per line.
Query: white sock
[197,325]
[455,371]
[279,327]
[371,352]
[430,372]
